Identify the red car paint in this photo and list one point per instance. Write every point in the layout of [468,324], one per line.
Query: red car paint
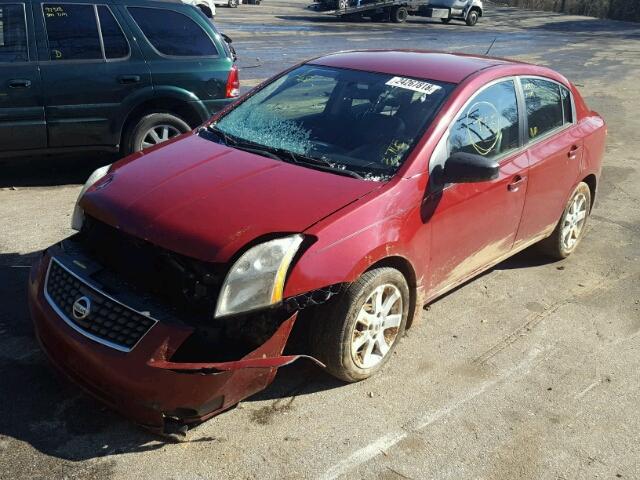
[210,202]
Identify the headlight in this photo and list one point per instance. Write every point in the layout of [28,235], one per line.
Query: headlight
[78,214]
[257,278]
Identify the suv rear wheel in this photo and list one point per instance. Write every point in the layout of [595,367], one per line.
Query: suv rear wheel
[233,3]
[153,129]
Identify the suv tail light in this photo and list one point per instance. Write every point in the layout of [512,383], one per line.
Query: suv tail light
[233,83]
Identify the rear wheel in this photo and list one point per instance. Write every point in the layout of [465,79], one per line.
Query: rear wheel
[356,335]
[472,18]
[571,227]
[399,15]
[233,3]
[153,129]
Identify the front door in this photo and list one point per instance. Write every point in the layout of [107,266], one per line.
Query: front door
[89,69]
[475,224]
[22,120]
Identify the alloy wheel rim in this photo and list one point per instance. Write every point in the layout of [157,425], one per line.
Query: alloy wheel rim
[573,221]
[159,134]
[377,326]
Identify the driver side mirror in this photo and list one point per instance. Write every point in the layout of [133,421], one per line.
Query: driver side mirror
[464,167]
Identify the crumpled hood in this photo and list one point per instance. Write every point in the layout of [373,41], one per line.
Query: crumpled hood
[204,200]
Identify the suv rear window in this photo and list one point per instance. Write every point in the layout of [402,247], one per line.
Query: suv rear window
[172,33]
[115,43]
[13,33]
[72,31]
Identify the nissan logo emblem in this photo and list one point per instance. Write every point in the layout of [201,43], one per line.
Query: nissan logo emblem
[81,308]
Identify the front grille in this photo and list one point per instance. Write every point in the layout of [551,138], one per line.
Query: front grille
[108,321]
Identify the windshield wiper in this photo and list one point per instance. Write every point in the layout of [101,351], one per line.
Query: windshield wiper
[227,139]
[322,164]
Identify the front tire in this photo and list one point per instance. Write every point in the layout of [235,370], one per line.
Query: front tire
[153,129]
[472,18]
[445,20]
[233,4]
[357,334]
[570,229]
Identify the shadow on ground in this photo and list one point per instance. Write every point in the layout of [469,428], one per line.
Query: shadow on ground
[51,170]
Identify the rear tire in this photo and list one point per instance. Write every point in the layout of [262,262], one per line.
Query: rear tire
[570,229]
[232,4]
[399,15]
[142,134]
[472,18]
[352,335]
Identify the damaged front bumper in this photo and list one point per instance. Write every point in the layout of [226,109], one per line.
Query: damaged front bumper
[142,382]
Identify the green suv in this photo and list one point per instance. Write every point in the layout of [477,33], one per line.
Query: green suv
[112,75]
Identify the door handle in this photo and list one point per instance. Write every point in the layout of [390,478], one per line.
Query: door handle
[516,183]
[126,79]
[19,83]
[573,153]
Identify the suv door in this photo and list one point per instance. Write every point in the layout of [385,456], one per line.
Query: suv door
[22,120]
[555,151]
[184,51]
[475,224]
[92,71]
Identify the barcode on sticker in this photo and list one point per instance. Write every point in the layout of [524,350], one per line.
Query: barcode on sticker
[415,85]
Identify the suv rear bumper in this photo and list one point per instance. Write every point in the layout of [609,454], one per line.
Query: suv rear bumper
[143,384]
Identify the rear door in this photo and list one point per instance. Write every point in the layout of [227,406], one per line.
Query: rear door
[90,69]
[555,152]
[22,120]
[183,51]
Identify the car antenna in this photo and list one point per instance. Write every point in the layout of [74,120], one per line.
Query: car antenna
[491,46]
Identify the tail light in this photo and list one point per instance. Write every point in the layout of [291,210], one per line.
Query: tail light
[233,83]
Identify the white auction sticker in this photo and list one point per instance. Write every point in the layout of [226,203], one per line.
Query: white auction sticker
[415,85]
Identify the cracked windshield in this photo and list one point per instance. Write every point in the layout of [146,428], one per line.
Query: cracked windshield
[350,122]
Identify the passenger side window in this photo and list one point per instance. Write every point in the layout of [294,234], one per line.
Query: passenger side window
[489,125]
[567,105]
[13,33]
[72,31]
[172,33]
[544,107]
[115,43]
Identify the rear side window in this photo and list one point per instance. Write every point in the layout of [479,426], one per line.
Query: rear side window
[72,31]
[489,125]
[115,43]
[13,33]
[172,33]
[567,105]
[544,106]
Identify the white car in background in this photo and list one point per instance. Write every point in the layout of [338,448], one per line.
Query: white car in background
[227,3]
[208,7]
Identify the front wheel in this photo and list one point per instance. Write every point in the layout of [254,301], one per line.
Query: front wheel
[571,227]
[233,3]
[445,20]
[472,18]
[358,334]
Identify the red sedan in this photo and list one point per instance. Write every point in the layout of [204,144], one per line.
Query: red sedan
[346,192]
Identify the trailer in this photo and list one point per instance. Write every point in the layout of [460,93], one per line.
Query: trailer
[397,11]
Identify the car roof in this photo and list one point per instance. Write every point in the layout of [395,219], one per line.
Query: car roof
[438,66]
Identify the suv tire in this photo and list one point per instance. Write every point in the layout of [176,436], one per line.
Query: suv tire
[232,4]
[153,129]
[472,18]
